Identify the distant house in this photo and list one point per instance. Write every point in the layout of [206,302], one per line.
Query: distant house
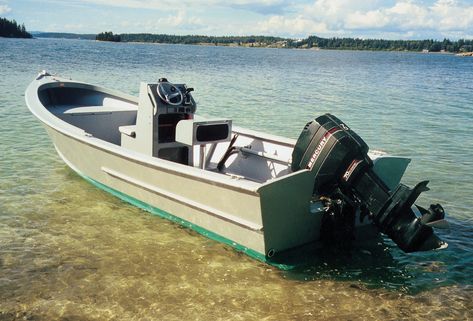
[425,51]
[282,43]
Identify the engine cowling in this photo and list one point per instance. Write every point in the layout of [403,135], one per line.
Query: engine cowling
[342,169]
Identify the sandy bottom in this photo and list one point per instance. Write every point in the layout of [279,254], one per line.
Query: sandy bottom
[81,254]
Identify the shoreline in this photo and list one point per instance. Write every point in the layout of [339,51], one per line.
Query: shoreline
[465,54]
[270,46]
[233,45]
[309,43]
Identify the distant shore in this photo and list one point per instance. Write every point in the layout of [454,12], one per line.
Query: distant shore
[460,46]
[234,45]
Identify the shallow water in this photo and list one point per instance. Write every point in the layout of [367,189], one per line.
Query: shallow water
[69,251]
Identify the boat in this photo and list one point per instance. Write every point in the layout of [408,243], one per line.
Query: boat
[259,193]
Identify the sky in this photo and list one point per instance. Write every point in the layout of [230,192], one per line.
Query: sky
[388,19]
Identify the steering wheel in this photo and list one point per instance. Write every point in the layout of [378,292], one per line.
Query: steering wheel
[169,93]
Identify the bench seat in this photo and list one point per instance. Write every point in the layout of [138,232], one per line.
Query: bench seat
[87,110]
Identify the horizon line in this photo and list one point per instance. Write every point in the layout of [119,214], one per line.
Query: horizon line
[253,35]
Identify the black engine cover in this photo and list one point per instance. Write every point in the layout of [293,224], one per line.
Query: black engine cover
[328,147]
[339,159]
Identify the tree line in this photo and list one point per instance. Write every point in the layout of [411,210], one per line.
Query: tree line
[311,42]
[430,45]
[11,29]
[196,39]
[108,36]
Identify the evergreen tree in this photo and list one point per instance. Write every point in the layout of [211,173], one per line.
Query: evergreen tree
[12,29]
[108,36]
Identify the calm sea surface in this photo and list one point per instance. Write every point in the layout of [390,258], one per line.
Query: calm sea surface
[72,252]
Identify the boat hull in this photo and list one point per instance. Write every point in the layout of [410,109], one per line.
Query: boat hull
[230,215]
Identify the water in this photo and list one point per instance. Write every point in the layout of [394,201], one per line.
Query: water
[69,251]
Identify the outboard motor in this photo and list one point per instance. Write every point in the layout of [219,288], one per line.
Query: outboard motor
[344,174]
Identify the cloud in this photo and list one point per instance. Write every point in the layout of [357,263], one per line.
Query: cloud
[442,15]
[181,20]
[264,7]
[134,4]
[260,6]
[4,9]
[365,20]
[397,18]
[453,16]
[389,19]
[278,25]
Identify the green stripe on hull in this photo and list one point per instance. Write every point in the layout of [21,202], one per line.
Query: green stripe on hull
[198,229]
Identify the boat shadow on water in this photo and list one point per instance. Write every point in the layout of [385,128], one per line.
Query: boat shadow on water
[380,264]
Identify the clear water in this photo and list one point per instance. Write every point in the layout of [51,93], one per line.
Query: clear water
[69,251]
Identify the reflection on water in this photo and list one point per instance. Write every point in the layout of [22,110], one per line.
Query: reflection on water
[72,252]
